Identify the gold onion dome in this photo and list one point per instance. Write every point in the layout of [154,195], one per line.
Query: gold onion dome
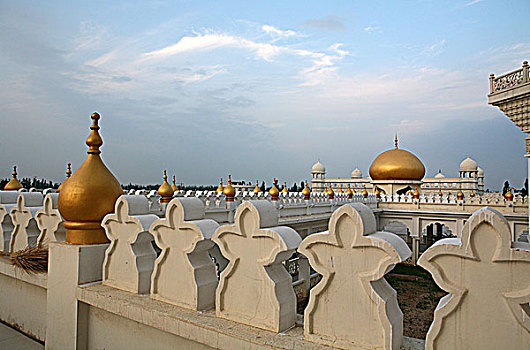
[220,188]
[274,192]
[285,190]
[306,192]
[365,192]
[460,195]
[89,194]
[509,195]
[340,189]
[331,194]
[377,193]
[174,185]
[257,189]
[349,192]
[397,164]
[13,184]
[472,194]
[416,194]
[68,174]
[229,191]
[440,192]
[165,190]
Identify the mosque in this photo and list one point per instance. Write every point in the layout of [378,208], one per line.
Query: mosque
[397,171]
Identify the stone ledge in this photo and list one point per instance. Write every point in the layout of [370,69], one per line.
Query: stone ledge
[37,279]
[203,327]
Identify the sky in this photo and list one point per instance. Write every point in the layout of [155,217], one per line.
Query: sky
[258,89]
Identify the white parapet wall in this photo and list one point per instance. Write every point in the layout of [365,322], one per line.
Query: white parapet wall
[23,300]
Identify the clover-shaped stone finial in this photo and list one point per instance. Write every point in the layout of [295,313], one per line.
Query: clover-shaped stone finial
[49,221]
[488,278]
[130,257]
[25,231]
[255,288]
[184,274]
[353,305]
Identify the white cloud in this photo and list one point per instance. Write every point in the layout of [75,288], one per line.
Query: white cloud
[275,31]
[372,28]
[473,2]
[434,49]
[211,41]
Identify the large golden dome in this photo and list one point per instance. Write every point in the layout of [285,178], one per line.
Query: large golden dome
[397,164]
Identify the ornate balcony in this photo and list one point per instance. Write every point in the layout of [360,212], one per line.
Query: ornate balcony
[511,93]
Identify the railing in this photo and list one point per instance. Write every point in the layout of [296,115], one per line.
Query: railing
[509,80]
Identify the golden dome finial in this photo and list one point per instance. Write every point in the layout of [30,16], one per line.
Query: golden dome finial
[396,141]
[257,189]
[460,194]
[94,140]
[229,191]
[509,195]
[416,194]
[13,184]
[472,194]
[220,188]
[68,174]
[331,194]
[285,190]
[349,192]
[174,185]
[377,193]
[68,170]
[440,192]
[165,190]
[89,194]
[274,192]
[365,192]
[306,192]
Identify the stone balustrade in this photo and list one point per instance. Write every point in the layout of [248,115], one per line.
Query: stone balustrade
[351,307]
[450,202]
[509,80]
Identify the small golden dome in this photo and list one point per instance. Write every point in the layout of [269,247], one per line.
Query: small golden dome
[416,194]
[365,192]
[377,193]
[306,192]
[274,191]
[165,190]
[13,184]
[174,185]
[472,194]
[331,194]
[349,192]
[68,174]
[509,195]
[340,189]
[229,191]
[440,192]
[257,189]
[220,188]
[460,195]
[89,194]
[397,164]
[285,190]
[326,188]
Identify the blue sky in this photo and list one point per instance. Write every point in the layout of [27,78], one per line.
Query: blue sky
[207,88]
